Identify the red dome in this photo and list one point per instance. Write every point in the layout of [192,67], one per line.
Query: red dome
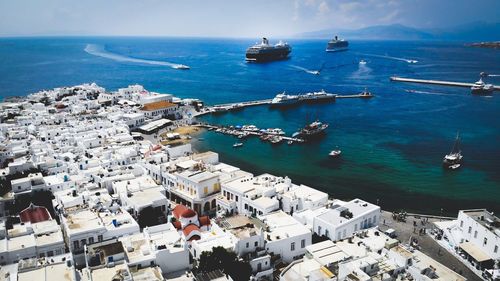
[190,228]
[178,210]
[188,214]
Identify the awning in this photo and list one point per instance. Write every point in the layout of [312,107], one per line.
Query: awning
[474,252]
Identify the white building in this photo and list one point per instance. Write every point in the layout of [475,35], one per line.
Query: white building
[285,236]
[344,219]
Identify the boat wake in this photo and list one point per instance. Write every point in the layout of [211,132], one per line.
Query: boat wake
[393,58]
[428,93]
[363,72]
[100,51]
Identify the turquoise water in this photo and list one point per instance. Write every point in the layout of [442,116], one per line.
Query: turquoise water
[392,145]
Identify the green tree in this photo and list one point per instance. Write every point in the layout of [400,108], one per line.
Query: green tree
[226,261]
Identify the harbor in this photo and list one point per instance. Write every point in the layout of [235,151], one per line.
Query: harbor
[274,136]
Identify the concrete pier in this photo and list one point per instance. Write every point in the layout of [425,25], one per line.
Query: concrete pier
[437,82]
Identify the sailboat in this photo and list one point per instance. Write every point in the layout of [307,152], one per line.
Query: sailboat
[454,158]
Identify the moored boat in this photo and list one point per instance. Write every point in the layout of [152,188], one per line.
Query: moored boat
[455,156]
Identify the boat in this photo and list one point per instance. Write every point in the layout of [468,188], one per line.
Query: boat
[365,94]
[181,66]
[290,142]
[283,100]
[337,44]
[335,153]
[264,52]
[454,166]
[363,62]
[314,129]
[250,128]
[238,144]
[276,131]
[275,139]
[481,88]
[455,156]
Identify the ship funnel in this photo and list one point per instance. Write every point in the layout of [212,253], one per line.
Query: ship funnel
[265,41]
[336,37]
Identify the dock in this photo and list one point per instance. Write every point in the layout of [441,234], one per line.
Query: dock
[437,82]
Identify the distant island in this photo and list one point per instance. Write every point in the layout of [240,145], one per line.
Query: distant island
[471,32]
[493,45]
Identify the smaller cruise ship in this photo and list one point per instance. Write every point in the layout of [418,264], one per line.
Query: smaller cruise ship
[317,96]
[337,44]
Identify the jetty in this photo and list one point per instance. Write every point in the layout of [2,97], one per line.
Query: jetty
[437,82]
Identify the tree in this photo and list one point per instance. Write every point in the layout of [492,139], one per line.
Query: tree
[228,262]
[149,216]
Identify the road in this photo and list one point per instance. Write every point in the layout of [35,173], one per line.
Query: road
[406,230]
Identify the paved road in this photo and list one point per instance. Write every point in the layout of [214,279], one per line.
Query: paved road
[405,230]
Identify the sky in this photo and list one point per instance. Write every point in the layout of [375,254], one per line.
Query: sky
[231,18]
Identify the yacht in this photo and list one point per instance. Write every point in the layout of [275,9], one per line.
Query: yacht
[335,153]
[238,144]
[455,156]
[181,66]
[312,130]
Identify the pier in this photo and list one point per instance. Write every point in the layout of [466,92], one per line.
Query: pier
[437,82]
[240,105]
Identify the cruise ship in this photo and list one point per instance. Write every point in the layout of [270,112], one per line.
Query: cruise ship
[317,96]
[312,130]
[264,52]
[337,44]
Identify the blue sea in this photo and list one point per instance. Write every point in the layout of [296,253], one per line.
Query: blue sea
[392,145]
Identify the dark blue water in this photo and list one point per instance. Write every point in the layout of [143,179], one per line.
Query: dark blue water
[392,144]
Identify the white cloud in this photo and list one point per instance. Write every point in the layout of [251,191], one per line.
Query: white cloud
[323,8]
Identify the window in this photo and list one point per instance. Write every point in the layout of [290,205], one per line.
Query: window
[475,234]
[303,243]
[91,240]
[292,246]
[99,238]
[470,229]
[248,244]
[319,230]
[485,241]
[461,223]
[205,190]
[256,243]
[76,244]
[236,198]
[496,249]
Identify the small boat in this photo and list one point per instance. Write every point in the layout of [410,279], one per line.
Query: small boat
[455,156]
[275,139]
[290,142]
[481,88]
[335,153]
[365,94]
[454,166]
[238,144]
[363,62]
[181,67]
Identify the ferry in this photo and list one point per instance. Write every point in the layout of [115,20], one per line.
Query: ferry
[264,52]
[312,130]
[336,45]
